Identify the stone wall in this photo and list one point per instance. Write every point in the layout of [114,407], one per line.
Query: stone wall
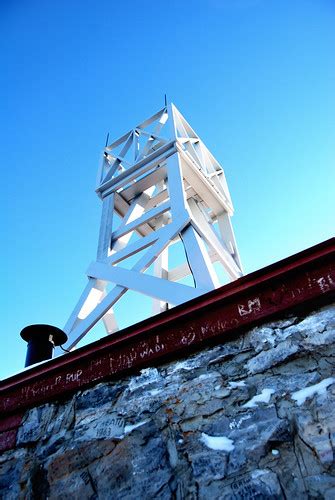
[251,418]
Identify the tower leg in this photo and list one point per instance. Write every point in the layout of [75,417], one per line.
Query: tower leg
[198,259]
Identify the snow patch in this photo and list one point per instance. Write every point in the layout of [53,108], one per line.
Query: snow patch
[217,442]
[235,424]
[148,376]
[233,384]
[130,428]
[255,474]
[154,392]
[263,397]
[183,365]
[320,388]
[206,375]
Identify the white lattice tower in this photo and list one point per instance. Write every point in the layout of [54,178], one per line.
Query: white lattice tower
[159,184]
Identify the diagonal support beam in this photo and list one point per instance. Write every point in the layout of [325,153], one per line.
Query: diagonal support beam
[158,288]
[201,225]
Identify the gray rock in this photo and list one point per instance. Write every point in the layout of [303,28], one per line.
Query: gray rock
[99,425]
[321,486]
[36,423]
[78,485]
[208,467]
[296,366]
[317,434]
[263,338]
[101,394]
[253,433]
[283,385]
[75,458]
[138,471]
[315,323]
[14,474]
[261,484]
[267,359]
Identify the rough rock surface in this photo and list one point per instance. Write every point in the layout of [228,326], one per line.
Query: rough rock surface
[251,418]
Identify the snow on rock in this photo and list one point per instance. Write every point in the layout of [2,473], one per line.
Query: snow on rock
[187,365]
[234,384]
[130,428]
[263,397]
[320,388]
[154,392]
[207,375]
[217,442]
[148,376]
[236,423]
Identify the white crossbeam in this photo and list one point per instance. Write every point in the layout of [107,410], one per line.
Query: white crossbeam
[174,293]
[131,226]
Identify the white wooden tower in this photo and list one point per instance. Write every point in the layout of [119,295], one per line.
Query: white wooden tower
[159,185]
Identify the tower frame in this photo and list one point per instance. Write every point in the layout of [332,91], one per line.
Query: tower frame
[159,184]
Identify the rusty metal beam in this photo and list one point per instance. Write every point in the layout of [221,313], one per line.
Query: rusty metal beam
[303,281]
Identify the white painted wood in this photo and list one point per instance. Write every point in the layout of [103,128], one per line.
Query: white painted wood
[175,293]
[152,119]
[123,252]
[183,270]
[201,225]
[109,319]
[74,316]
[199,261]
[227,235]
[161,266]
[153,251]
[106,227]
[78,315]
[138,169]
[164,184]
[122,207]
[159,198]
[202,185]
[80,329]
[135,210]
[175,185]
[138,187]
[86,324]
[131,226]
[161,271]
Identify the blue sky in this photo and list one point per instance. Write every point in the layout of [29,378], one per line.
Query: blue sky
[255,78]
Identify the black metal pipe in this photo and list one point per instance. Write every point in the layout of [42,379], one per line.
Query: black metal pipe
[41,341]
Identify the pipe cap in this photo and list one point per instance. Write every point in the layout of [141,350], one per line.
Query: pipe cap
[29,332]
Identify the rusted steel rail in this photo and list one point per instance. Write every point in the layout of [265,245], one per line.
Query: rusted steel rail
[304,281]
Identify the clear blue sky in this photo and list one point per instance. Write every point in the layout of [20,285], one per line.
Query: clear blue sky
[255,78]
